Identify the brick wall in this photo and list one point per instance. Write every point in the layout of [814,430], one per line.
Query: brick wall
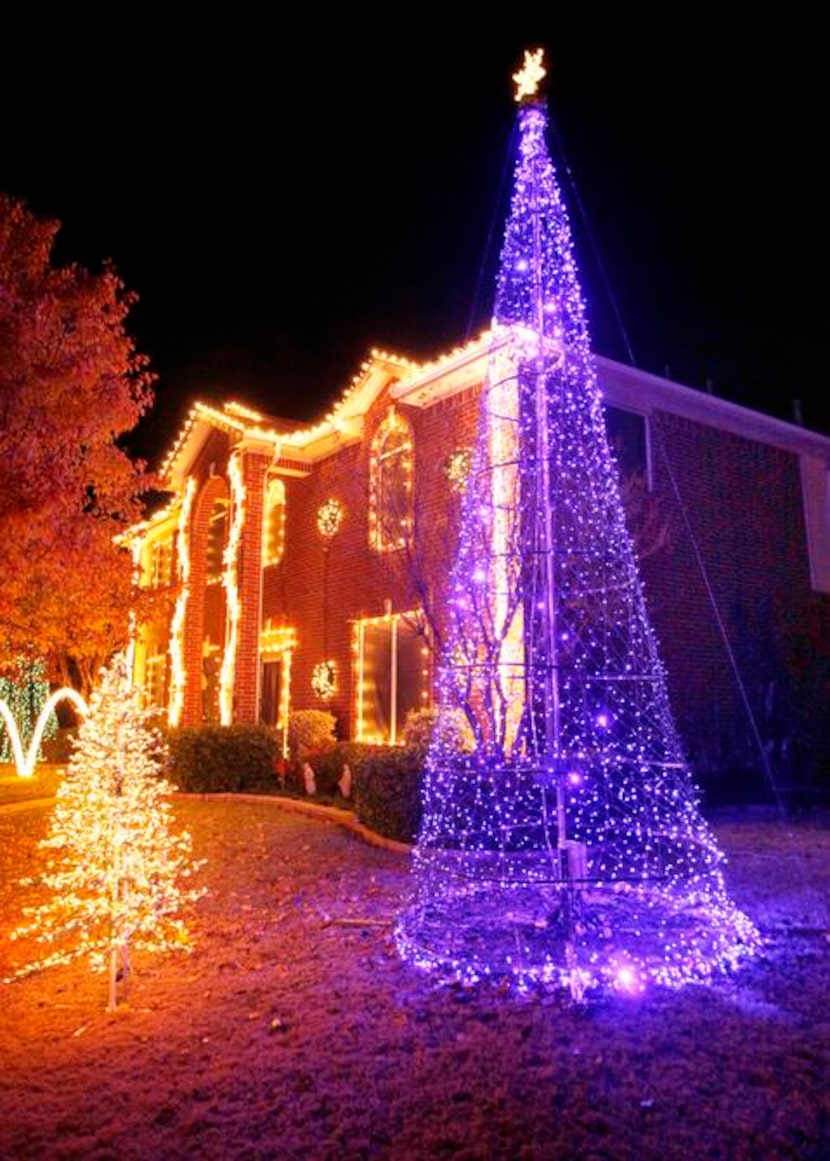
[321,586]
[739,514]
[734,578]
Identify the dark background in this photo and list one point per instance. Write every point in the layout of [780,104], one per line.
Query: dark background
[285,191]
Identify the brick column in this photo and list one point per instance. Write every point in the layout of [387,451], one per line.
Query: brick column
[215,488]
[256,458]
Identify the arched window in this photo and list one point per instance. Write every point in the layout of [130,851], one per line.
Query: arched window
[390,486]
[216,541]
[158,570]
[273,530]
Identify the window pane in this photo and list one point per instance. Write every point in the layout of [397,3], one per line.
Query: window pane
[377,679]
[627,436]
[410,680]
[378,676]
[391,484]
[155,678]
[274,525]
[161,554]
[394,498]
[270,706]
[216,542]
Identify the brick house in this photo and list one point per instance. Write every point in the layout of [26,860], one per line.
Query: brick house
[307,564]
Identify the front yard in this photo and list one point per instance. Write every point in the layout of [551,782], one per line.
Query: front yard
[294,1031]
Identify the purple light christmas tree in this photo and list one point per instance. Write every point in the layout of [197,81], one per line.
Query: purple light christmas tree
[567,846]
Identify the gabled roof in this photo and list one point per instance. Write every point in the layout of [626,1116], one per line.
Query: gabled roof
[621,386]
[234,418]
[297,446]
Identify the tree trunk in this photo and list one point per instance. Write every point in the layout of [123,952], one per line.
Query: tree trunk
[113,999]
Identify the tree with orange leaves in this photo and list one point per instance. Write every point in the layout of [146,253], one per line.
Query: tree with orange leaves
[71,385]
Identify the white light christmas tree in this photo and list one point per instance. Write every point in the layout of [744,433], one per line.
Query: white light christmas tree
[568,848]
[116,870]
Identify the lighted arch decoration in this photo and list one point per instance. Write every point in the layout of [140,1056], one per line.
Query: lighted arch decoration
[25,762]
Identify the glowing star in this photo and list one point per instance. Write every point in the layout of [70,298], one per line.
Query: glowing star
[530,75]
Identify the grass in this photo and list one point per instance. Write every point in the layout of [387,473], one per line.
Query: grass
[295,1030]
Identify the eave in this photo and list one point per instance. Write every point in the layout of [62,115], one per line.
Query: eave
[621,386]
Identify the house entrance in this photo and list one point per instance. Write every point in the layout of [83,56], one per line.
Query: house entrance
[269,710]
[276,645]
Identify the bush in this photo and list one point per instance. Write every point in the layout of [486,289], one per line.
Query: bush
[449,727]
[387,791]
[58,748]
[210,758]
[328,768]
[310,732]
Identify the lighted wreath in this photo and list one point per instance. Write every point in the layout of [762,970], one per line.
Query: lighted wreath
[324,679]
[457,468]
[329,518]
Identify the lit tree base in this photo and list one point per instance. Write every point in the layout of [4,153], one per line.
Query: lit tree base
[617,938]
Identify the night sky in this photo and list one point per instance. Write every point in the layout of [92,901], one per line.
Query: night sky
[283,201]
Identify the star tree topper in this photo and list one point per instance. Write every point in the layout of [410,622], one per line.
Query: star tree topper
[530,75]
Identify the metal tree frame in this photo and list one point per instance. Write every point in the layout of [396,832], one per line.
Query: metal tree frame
[567,847]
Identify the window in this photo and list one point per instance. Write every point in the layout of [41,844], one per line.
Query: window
[815,484]
[217,538]
[648,518]
[276,646]
[161,562]
[390,487]
[273,529]
[158,563]
[211,674]
[628,436]
[393,673]
[271,693]
[154,679]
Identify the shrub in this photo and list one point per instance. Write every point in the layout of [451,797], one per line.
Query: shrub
[210,758]
[447,726]
[310,732]
[387,791]
[59,747]
[328,768]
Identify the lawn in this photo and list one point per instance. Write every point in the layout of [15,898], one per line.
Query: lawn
[294,1031]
